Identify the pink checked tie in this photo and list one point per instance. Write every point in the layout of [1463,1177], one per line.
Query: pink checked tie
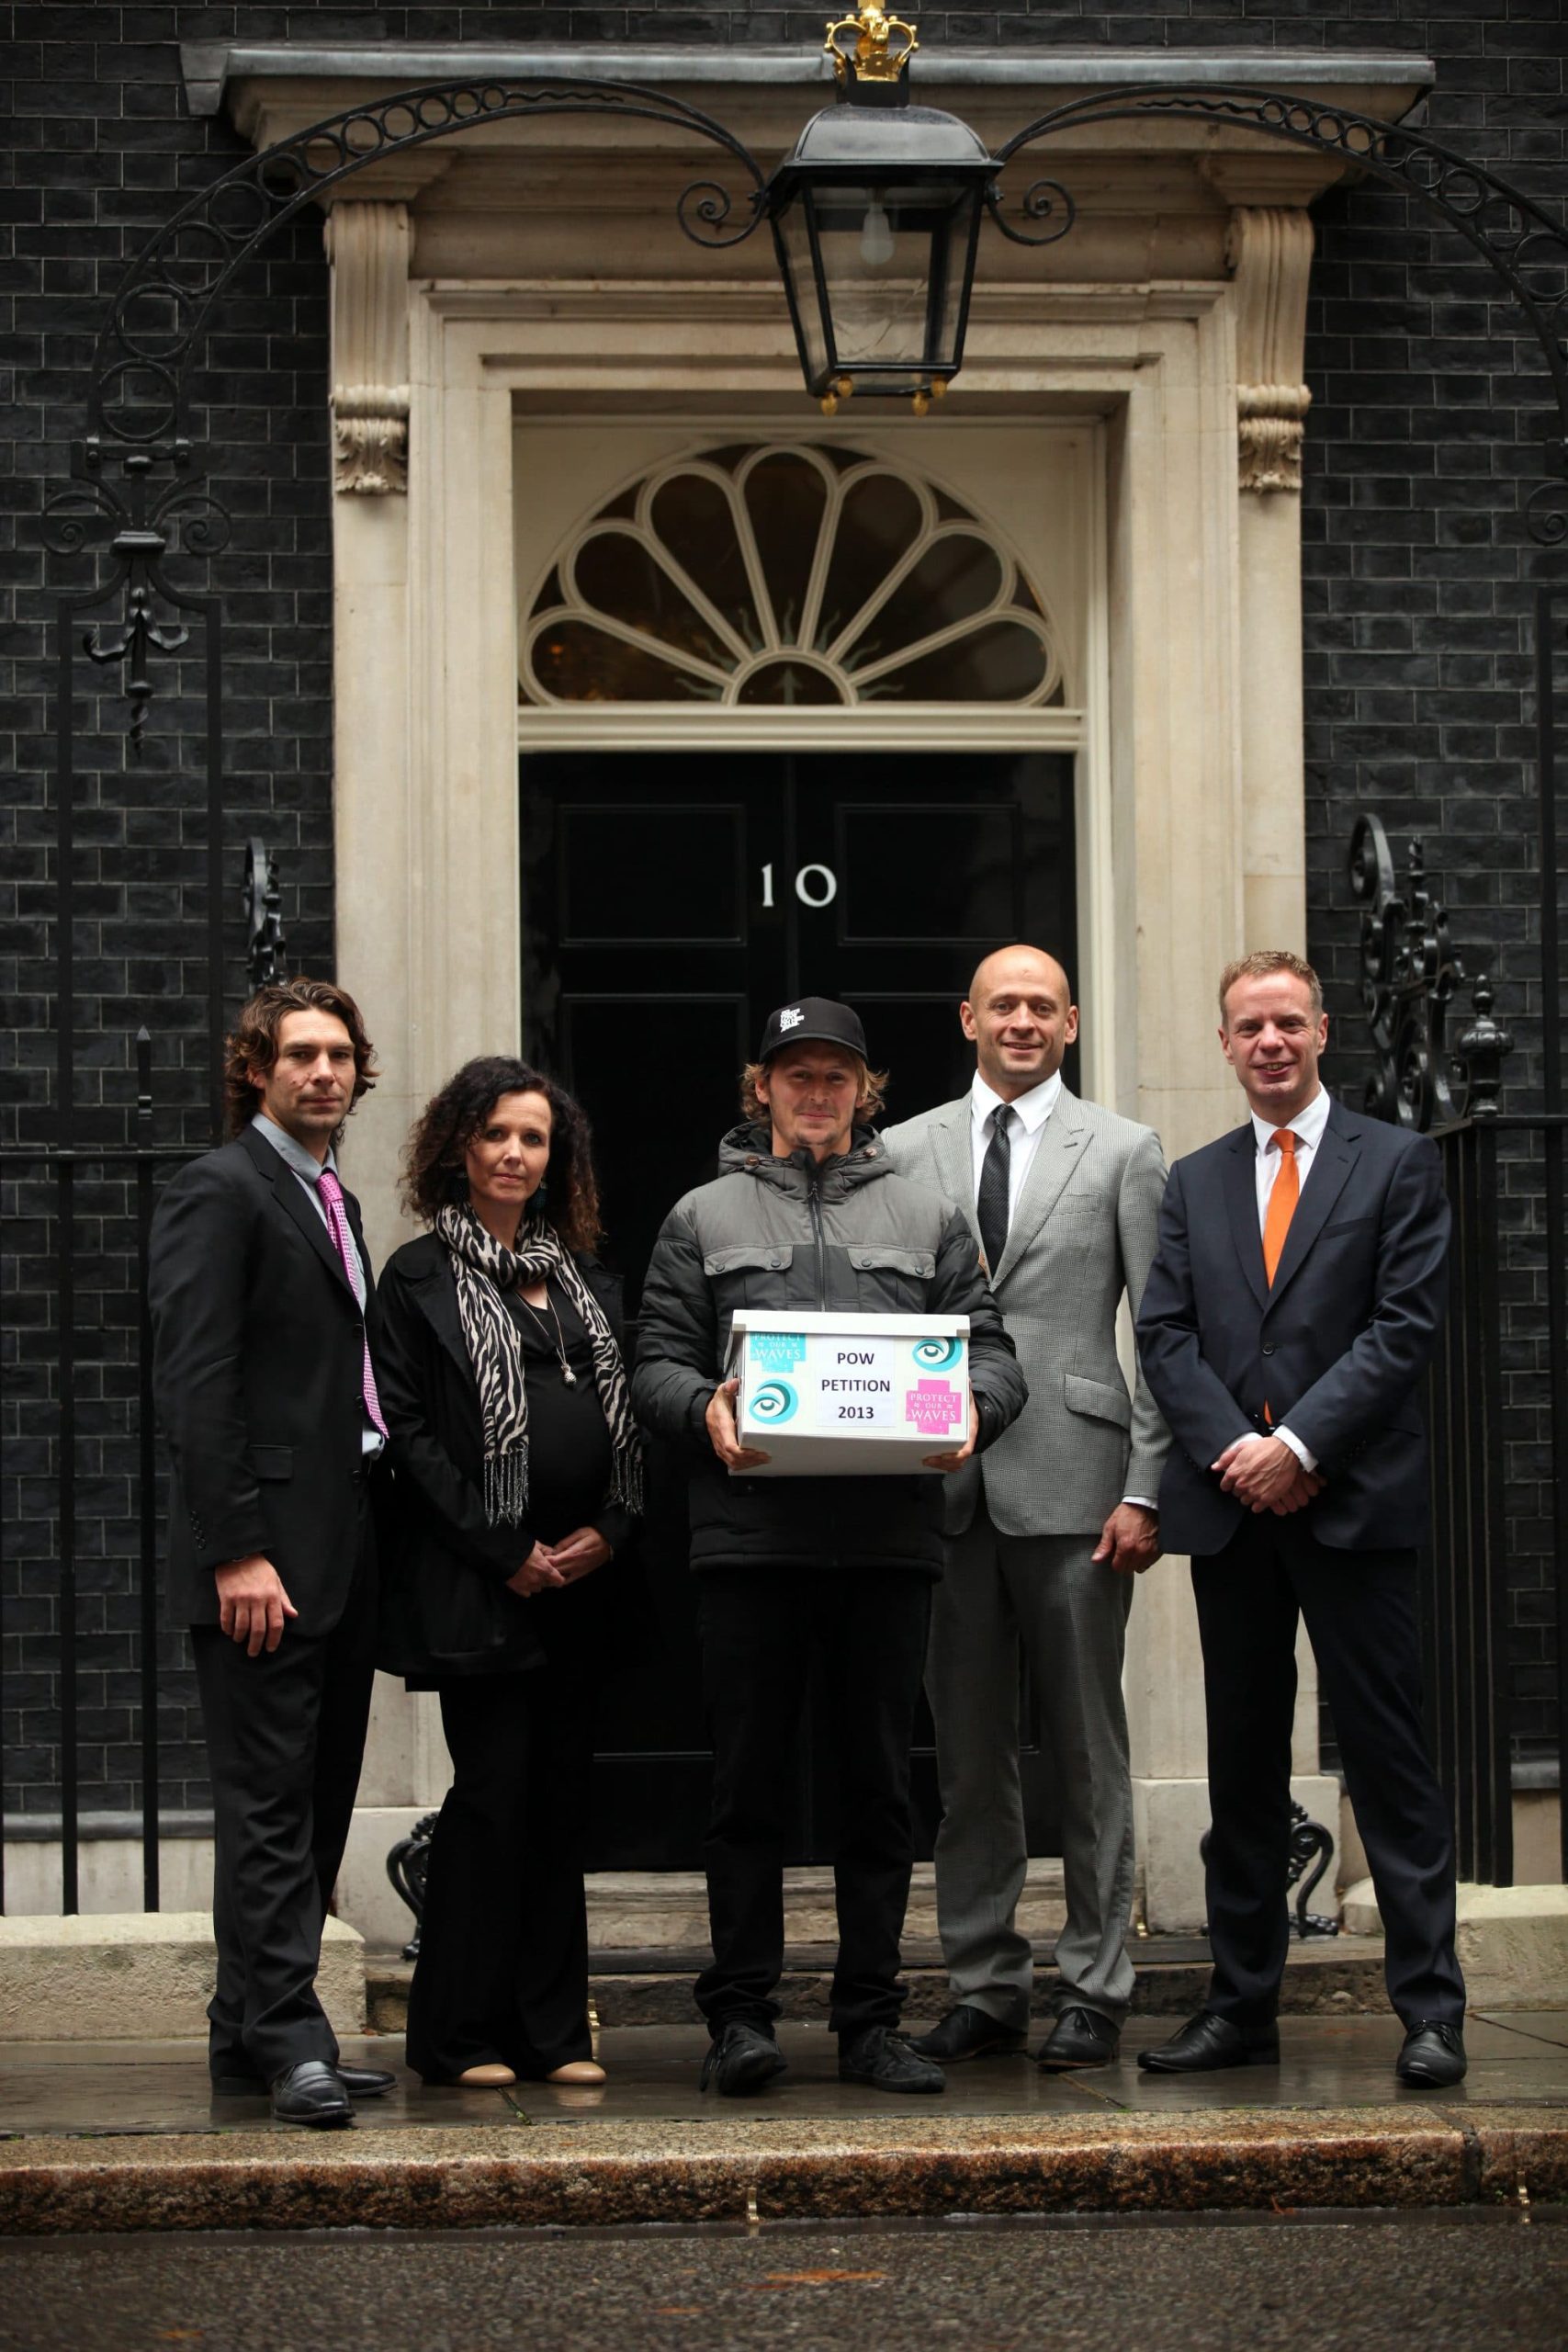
[337,1226]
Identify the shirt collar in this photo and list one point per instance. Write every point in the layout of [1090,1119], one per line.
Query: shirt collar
[293,1155]
[1307,1127]
[1033,1109]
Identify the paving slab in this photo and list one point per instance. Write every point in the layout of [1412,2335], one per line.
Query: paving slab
[125,2137]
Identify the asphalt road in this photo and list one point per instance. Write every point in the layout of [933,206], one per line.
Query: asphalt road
[1448,2281]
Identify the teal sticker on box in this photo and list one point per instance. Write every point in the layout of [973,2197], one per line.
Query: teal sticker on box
[777,1351]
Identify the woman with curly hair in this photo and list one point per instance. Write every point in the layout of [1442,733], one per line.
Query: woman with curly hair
[520,1474]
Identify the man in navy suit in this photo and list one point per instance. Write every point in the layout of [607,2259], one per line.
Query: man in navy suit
[1288,1318]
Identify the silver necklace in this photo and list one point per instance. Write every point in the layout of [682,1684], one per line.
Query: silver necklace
[567,1373]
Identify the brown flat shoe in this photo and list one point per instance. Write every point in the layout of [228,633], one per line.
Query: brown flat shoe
[581,2071]
[494,2078]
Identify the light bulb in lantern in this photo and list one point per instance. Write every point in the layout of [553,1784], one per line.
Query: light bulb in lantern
[877,238]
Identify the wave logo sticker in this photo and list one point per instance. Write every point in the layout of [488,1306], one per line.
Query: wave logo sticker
[775,1402]
[778,1351]
[938,1355]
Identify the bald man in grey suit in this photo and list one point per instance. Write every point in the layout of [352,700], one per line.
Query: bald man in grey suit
[1045,1534]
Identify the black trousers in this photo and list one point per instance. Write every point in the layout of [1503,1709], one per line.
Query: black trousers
[502,1969]
[760,1629]
[284,1741]
[1360,1609]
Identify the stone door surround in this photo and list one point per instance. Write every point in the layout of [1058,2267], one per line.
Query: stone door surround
[537,269]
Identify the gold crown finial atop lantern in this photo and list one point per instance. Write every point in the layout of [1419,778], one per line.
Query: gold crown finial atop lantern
[873,45]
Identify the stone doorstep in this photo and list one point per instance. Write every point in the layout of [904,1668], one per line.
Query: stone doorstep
[140,1976]
[1342,1976]
[1512,1941]
[644,1910]
[756,2170]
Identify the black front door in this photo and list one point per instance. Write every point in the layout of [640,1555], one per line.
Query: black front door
[670,901]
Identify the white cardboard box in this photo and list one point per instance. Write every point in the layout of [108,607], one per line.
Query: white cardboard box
[850,1395]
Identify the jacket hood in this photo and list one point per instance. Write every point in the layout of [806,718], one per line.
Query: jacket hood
[747,1150]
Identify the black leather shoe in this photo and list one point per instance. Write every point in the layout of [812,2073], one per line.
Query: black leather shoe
[1206,2043]
[1079,2038]
[888,2062]
[360,2082]
[742,2059]
[966,2032]
[1433,2057]
[310,2093]
[365,2082]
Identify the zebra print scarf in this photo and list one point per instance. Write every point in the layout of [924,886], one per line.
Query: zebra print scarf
[484,1272]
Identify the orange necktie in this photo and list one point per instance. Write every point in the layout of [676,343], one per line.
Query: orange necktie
[1282,1203]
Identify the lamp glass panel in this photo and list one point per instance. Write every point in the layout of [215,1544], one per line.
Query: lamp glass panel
[792,234]
[883,247]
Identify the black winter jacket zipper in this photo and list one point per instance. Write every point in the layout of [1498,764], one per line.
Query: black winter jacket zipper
[814,1195]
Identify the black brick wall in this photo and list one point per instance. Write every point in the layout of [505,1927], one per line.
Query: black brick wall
[1418,580]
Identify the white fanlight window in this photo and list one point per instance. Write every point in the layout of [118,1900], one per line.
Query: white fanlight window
[787,574]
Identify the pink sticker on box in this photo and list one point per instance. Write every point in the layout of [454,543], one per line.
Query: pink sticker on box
[935,1408]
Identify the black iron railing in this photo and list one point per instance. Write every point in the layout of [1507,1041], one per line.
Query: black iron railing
[1499,1459]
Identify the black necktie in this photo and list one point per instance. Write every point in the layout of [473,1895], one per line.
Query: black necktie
[995,1173]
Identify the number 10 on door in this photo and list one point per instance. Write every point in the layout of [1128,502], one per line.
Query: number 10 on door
[815,886]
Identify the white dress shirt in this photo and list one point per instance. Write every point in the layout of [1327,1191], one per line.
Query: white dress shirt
[1308,1128]
[1024,1133]
[308,1168]
[1032,1111]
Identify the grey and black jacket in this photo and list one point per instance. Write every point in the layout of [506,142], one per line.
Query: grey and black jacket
[784,1234]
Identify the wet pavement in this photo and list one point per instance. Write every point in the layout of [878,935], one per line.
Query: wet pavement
[66,2089]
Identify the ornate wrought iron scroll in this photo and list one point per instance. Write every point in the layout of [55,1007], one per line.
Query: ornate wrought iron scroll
[408,1867]
[1409,974]
[1311,1843]
[141,462]
[1525,246]
[266,950]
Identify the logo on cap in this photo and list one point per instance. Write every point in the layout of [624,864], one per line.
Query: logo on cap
[791,1017]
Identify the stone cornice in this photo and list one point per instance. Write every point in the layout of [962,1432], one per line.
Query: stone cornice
[1390,81]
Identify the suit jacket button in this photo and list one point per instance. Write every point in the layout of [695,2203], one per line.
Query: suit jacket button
[1267,1347]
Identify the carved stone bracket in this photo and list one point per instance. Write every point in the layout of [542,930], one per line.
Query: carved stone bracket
[1269,252]
[368,244]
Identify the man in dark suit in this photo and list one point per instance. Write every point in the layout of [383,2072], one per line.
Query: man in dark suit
[1290,1310]
[261,1299]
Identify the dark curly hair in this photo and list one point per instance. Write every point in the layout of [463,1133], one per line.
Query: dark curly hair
[433,1172]
[251,1050]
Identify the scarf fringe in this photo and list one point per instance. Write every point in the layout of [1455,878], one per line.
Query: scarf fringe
[506,1487]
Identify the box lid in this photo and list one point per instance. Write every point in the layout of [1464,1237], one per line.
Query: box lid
[887,1327]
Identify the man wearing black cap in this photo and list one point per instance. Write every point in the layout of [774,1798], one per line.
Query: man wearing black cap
[807,1213]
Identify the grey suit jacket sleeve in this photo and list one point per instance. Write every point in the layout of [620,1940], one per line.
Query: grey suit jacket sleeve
[1137,1225]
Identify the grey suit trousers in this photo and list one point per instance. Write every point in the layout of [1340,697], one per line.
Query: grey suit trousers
[1068,1614]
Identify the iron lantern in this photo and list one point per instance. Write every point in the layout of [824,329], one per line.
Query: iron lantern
[875,217]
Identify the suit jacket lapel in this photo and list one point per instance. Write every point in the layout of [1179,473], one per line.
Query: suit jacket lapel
[435,1294]
[954,1154]
[1240,1175]
[1332,1162]
[1056,1155]
[290,1194]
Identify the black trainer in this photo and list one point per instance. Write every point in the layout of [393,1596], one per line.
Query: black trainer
[888,2062]
[741,2059]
